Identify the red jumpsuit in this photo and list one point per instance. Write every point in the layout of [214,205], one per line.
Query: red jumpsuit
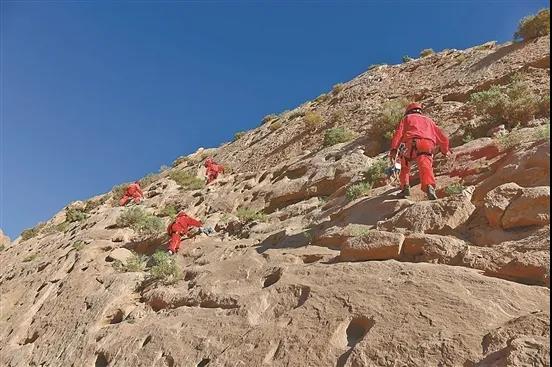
[213,170]
[178,228]
[133,191]
[420,135]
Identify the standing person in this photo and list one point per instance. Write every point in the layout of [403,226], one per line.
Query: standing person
[213,169]
[421,136]
[178,228]
[133,191]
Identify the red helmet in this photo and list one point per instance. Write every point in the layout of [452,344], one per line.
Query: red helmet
[413,106]
[209,161]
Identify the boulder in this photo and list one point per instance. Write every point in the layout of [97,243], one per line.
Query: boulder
[120,254]
[497,200]
[432,248]
[372,245]
[530,208]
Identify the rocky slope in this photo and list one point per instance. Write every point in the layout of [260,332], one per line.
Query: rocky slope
[319,279]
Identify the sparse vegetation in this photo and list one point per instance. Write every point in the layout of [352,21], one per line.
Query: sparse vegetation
[407,58]
[90,205]
[338,88]
[30,258]
[75,215]
[269,118]
[275,125]
[337,135]
[164,268]
[141,221]
[29,233]
[391,114]
[357,190]
[513,104]
[169,210]
[321,98]
[467,138]
[148,180]
[179,161]
[63,226]
[426,52]
[296,113]
[543,132]
[534,26]
[376,171]
[164,168]
[250,215]
[337,116]
[356,230]
[186,180]
[312,119]
[454,189]
[79,245]
[239,135]
[134,263]
[117,193]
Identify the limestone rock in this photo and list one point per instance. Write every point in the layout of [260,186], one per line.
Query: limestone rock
[372,245]
[532,207]
[120,254]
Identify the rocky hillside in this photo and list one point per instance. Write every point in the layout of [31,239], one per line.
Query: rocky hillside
[315,261]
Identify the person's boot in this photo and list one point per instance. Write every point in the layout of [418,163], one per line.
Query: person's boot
[431,195]
[405,192]
[170,252]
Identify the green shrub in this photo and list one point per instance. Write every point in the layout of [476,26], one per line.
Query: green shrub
[179,161]
[512,104]
[186,180]
[544,105]
[275,125]
[407,58]
[389,117]
[357,190]
[141,221]
[376,171]
[90,205]
[269,118]
[357,230]
[467,138]
[148,180]
[297,113]
[134,263]
[31,232]
[534,26]
[321,98]
[74,215]
[117,193]
[312,119]
[454,189]
[543,132]
[426,52]
[239,135]
[79,245]
[63,226]
[337,135]
[338,88]
[30,258]
[250,215]
[164,268]
[169,210]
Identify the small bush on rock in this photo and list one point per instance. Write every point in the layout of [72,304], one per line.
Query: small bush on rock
[454,189]
[376,171]
[389,117]
[426,52]
[357,190]
[74,215]
[275,125]
[338,88]
[337,135]
[141,221]
[312,119]
[186,180]
[239,135]
[134,263]
[407,59]
[534,26]
[250,215]
[269,118]
[164,268]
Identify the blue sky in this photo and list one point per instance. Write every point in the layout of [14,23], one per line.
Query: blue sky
[98,93]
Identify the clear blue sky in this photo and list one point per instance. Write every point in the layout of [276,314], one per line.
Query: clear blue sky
[98,93]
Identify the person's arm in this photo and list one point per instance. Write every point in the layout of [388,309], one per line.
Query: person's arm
[396,139]
[442,140]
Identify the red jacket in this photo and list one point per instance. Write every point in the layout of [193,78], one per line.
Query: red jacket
[414,126]
[134,189]
[214,167]
[182,224]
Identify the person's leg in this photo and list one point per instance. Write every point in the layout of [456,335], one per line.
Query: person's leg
[404,175]
[137,198]
[125,199]
[427,177]
[174,242]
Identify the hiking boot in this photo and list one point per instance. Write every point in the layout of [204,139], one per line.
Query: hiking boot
[405,192]
[170,253]
[431,195]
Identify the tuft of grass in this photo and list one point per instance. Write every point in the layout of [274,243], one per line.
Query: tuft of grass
[75,215]
[312,119]
[337,135]
[376,171]
[169,210]
[543,132]
[268,118]
[239,135]
[454,189]
[297,113]
[357,190]
[90,205]
[338,88]
[275,125]
[79,245]
[337,116]
[164,268]
[140,221]
[186,180]
[356,230]
[148,180]
[407,58]
[534,26]
[321,98]
[30,258]
[135,263]
[250,215]
[389,117]
[426,52]
[29,233]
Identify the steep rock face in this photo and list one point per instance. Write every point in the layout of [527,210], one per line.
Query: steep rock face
[298,273]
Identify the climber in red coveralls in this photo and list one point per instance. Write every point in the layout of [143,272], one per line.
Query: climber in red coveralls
[178,228]
[420,136]
[133,191]
[213,169]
